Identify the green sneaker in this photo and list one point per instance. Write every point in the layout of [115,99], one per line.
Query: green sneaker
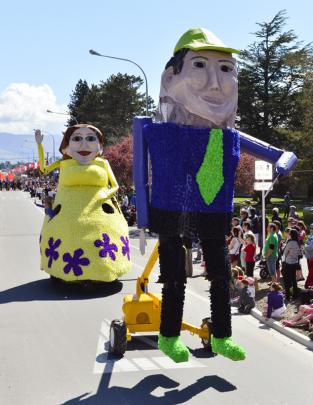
[174,348]
[228,348]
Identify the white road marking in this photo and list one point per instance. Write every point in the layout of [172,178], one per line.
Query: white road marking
[104,364]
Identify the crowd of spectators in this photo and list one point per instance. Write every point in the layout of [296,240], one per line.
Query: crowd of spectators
[283,250]
[43,190]
[7,185]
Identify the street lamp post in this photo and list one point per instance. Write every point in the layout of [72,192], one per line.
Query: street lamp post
[61,113]
[92,52]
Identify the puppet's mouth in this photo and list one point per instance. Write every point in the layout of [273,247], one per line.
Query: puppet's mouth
[212,100]
[84,152]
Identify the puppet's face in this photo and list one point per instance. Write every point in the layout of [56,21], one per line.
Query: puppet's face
[206,86]
[83,145]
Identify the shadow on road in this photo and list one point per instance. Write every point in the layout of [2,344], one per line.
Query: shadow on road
[44,290]
[141,393]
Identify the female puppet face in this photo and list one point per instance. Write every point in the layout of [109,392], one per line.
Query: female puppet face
[83,145]
[207,86]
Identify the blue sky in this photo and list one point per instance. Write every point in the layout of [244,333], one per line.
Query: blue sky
[44,45]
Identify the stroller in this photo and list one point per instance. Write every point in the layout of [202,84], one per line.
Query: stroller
[264,272]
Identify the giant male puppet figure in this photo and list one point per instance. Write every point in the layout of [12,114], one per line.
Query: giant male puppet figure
[194,151]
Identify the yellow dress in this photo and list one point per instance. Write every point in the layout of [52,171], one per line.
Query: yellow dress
[87,239]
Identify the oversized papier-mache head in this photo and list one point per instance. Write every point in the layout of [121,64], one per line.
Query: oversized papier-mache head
[82,142]
[199,85]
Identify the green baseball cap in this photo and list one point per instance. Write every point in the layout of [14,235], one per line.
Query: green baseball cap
[200,39]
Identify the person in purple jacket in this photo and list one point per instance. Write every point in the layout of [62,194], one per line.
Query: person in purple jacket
[275,302]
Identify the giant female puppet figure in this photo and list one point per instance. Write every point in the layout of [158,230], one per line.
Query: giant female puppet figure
[194,151]
[87,238]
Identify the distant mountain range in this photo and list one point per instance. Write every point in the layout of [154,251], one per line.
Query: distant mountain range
[16,148]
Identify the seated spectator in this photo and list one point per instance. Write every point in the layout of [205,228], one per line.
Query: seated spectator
[247,295]
[275,302]
[303,317]
[237,274]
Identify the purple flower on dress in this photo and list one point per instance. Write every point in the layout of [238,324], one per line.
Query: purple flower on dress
[107,247]
[51,250]
[75,261]
[125,248]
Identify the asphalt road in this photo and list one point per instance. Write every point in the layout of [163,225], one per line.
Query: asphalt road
[53,341]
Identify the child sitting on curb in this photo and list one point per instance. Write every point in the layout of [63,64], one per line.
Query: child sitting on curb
[247,296]
[275,302]
[237,274]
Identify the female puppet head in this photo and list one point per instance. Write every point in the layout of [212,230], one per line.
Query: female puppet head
[82,142]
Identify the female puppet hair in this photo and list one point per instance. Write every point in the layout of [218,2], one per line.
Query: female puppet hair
[70,130]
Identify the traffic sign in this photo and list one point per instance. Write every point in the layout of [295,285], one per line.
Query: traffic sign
[262,185]
[263,170]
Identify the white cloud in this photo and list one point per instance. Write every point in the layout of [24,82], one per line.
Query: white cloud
[24,107]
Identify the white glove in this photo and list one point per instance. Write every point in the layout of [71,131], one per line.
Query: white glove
[142,241]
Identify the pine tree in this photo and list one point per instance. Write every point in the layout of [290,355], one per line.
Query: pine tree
[77,99]
[111,105]
[270,78]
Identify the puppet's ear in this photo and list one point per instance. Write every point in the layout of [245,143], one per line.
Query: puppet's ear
[167,77]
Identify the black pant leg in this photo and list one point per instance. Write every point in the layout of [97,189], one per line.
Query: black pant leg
[249,268]
[215,254]
[173,275]
[287,280]
[294,284]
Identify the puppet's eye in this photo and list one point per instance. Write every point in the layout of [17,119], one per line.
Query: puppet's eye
[91,138]
[76,138]
[199,64]
[227,68]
